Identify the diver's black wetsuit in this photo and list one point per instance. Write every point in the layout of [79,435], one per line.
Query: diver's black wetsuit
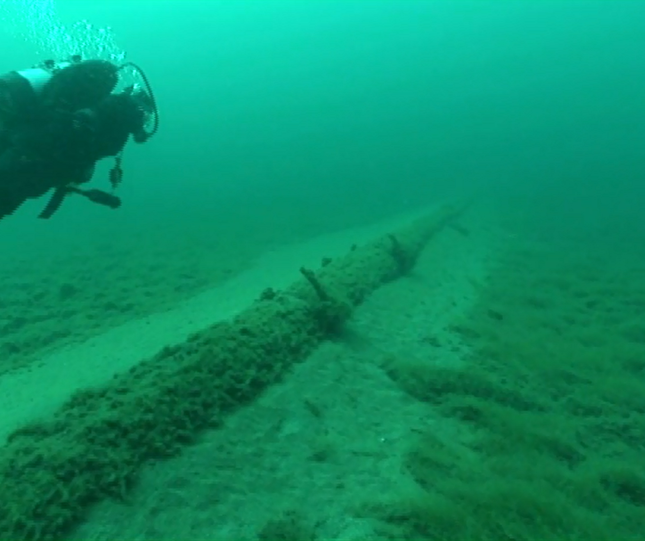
[37,158]
[58,147]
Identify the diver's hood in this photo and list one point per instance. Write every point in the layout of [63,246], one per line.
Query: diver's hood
[80,85]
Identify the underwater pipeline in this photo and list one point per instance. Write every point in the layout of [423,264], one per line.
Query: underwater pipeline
[97,443]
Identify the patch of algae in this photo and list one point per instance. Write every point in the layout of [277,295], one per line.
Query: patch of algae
[547,418]
[96,444]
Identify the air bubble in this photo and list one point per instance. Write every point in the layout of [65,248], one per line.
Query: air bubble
[37,22]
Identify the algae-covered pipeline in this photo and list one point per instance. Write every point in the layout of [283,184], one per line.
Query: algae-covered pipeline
[96,444]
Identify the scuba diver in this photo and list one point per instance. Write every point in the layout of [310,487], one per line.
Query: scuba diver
[58,120]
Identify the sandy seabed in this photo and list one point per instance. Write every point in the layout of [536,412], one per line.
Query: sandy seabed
[476,386]
[332,435]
